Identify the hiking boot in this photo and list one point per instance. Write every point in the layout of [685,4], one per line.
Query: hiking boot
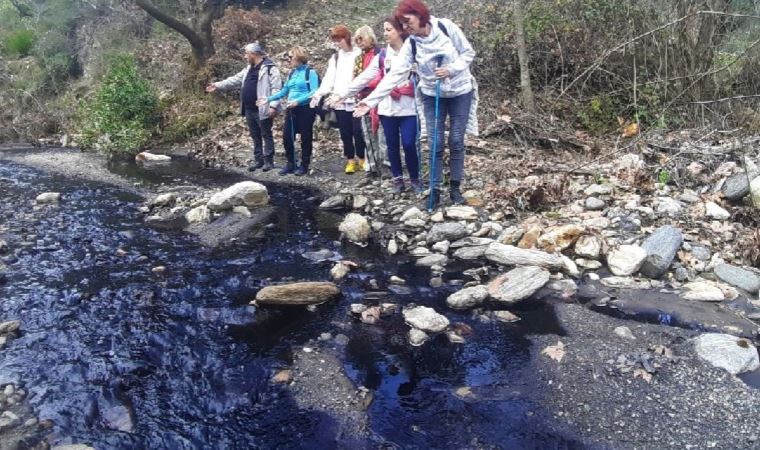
[301,171]
[417,186]
[434,199]
[351,166]
[268,165]
[398,185]
[455,194]
[286,170]
[256,165]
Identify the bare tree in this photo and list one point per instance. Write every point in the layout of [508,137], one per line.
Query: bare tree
[199,31]
[522,55]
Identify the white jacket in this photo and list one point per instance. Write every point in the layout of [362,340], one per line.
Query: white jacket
[404,106]
[338,77]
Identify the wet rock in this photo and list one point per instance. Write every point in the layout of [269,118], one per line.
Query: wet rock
[505,316]
[355,228]
[589,247]
[598,190]
[470,253]
[594,204]
[167,220]
[3,247]
[461,213]
[450,231]
[624,333]
[198,215]
[661,248]
[714,211]
[425,319]
[48,197]
[508,255]
[441,246]
[626,259]
[667,206]
[163,200]
[319,255]
[116,416]
[230,226]
[518,284]
[736,355]
[703,291]
[467,298]
[435,282]
[246,193]
[559,238]
[736,276]
[305,293]
[396,280]
[147,157]
[337,202]
[432,260]
[417,337]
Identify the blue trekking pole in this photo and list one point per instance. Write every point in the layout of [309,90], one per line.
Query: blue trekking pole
[419,124]
[434,148]
[293,136]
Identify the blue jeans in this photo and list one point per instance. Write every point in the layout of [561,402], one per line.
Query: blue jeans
[458,109]
[406,127]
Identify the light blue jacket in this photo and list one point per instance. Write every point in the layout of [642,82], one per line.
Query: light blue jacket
[297,88]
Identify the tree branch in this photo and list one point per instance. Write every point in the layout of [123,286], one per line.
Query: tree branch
[170,22]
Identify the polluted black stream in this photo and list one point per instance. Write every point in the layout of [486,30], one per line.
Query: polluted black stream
[117,355]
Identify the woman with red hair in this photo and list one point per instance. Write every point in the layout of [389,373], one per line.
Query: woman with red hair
[443,56]
[337,78]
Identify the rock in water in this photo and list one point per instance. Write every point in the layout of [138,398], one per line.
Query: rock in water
[246,193]
[518,284]
[48,197]
[467,298]
[508,255]
[736,355]
[199,214]
[417,337]
[425,319]
[450,231]
[626,260]
[741,278]
[146,157]
[355,228]
[337,202]
[661,248]
[306,293]
[432,260]
[702,291]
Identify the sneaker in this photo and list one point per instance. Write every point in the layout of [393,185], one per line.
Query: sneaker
[363,165]
[301,171]
[351,166]
[267,166]
[286,170]
[417,186]
[257,165]
[398,186]
[455,194]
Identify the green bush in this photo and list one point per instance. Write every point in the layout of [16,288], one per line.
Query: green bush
[117,120]
[20,42]
[599,116]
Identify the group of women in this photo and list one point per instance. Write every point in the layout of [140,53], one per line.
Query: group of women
[424,55]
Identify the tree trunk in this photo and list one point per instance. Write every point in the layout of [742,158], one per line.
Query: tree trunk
[200,34]
[522,55]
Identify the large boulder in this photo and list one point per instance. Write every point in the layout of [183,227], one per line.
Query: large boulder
[449,231]
[509,255]
[734,354]
[738,277]
[661,248]
[468,297]
[305,293]
[355,228]
[246,193]
[518,284]
[626,260]
[425,319]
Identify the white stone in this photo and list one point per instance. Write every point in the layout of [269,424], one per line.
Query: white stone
[355,228]
[425,319]
[598,189]
[518,284]
[151,157]
[461,213]
[246,193]
[754,189]
[199,214]
[441,246]
[417,337]
[467,298]
[625,333]
[734,354]
[48,197]
[702,291]
[392,247]
[513,256]
[164,199]
[626,260]
[667,206]
[589,247]
[714,211]
[413,213]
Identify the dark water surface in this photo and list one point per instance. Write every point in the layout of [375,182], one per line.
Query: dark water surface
[120,357]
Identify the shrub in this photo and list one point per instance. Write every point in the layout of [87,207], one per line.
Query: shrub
[117,120]
[20,42]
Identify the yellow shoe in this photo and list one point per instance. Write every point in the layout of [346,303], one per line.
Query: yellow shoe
[351,166]
[362,164]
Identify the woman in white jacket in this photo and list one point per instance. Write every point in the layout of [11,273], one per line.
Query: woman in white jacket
[398,112]
[337,78]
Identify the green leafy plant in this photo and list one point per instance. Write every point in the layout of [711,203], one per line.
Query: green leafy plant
[117,120]
[663,176]
[20,42]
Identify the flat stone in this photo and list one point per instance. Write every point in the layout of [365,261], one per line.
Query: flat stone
[510,236]
[48,197]
[734,354]
[702,291]
[467,298]
[462,213]
[449,231]
[661,247]
[305,293]
[736,276]
[599,190]
[470,253]
[518,284]
[425,319]
[626,283]
[472,242]
[505,316]
[626,259]
[147,157]
[508,255]
[714,211]
[432,260]
[337,202]
[246,193]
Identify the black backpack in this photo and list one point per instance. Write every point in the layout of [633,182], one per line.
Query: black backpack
[307,77]
[441,26]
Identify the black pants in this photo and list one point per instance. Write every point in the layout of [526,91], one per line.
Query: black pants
[351,134]
[299,120]
[261,135]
